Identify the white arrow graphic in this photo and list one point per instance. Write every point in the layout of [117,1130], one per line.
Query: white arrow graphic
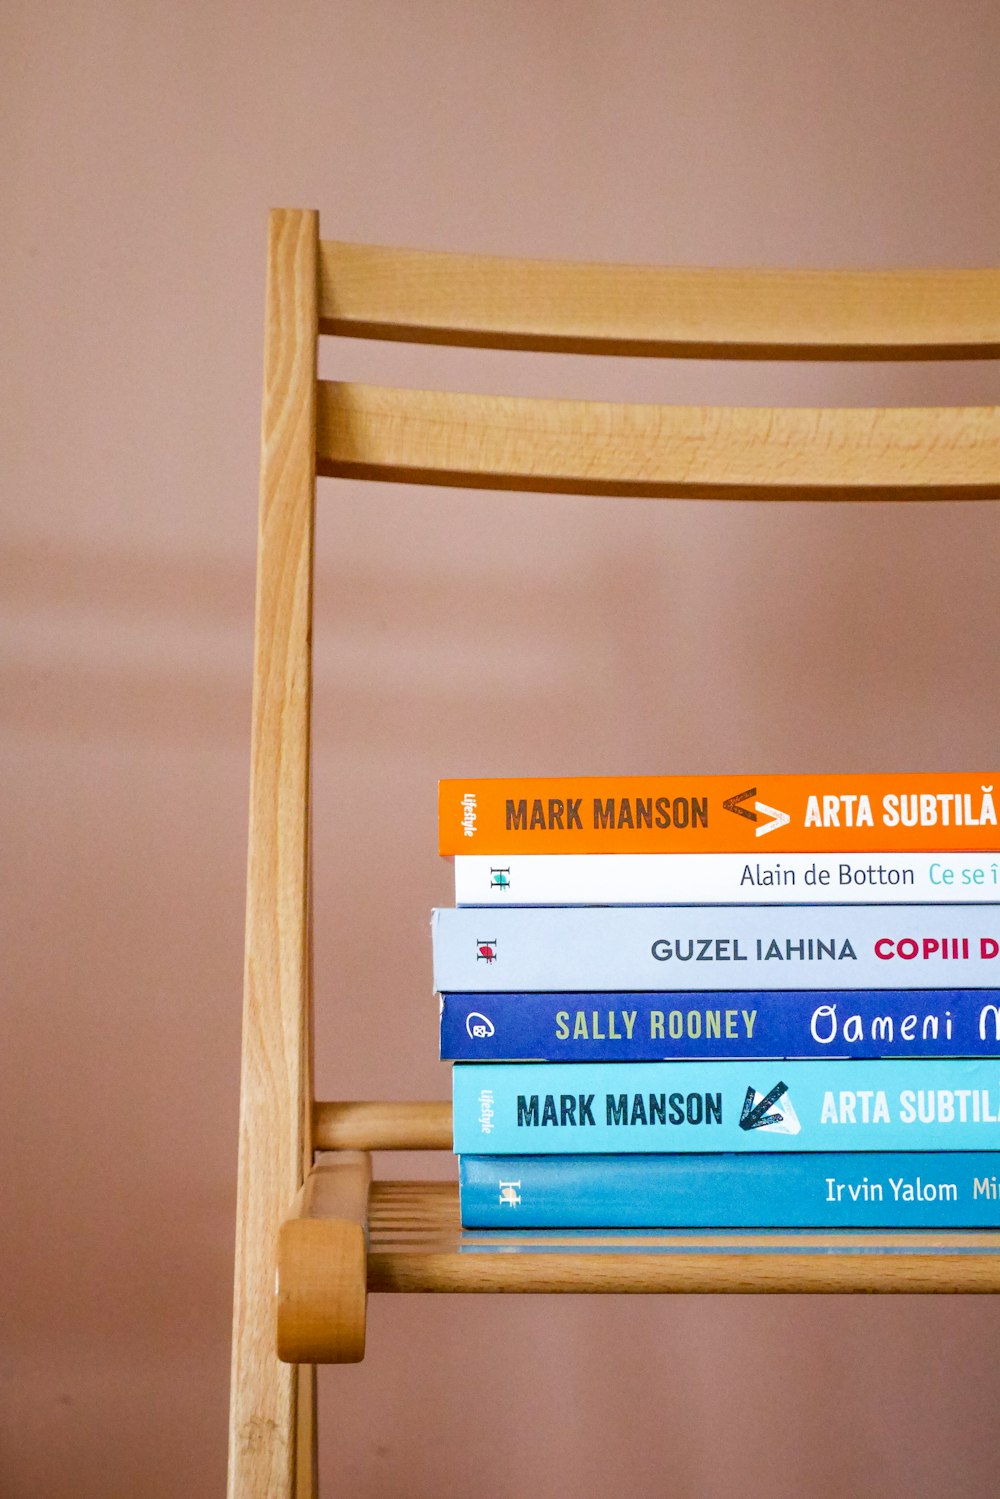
[778,819]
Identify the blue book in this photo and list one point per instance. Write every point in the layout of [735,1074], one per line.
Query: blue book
[960,1190]
[658,948]
[647,1027]
[567,1108]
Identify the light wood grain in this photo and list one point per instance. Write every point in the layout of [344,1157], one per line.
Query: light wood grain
[276,1084]
[382,1126]
[416,1243]
[584,447]
[306,1434]
[367,291]
[321,1265]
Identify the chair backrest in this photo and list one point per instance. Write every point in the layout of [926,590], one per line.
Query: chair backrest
[315,427]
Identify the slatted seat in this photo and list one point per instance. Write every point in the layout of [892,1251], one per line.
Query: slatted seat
[309,1213]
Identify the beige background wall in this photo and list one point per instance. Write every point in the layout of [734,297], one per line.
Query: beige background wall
[143,143]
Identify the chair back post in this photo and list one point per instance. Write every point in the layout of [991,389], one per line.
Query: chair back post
[275,1146]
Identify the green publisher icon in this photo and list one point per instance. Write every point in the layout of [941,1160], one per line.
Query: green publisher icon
[500,879]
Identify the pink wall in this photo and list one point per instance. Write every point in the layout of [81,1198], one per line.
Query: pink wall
[144,144]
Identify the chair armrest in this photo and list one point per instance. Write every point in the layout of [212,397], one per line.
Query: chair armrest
[322,1264]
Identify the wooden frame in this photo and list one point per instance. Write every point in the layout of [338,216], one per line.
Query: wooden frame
[314,1236]
[269,1402]
[684,452]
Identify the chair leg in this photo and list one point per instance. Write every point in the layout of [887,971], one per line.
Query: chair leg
[306,1453]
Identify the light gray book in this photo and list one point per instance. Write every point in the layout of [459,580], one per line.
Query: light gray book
[717,947]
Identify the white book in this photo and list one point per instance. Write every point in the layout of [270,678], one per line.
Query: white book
[725,879]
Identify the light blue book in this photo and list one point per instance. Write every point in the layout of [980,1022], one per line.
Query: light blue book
[568,1108]
[716,947]
[959,1190]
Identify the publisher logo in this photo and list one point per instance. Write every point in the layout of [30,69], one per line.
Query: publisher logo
[480,1027]
[510,1194]
[500,879]
[486,949]
[469,814]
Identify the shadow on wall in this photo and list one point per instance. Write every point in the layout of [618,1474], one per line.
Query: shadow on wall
[507,637]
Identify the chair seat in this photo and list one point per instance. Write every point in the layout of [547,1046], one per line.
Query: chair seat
[353,1234]
[416,1243]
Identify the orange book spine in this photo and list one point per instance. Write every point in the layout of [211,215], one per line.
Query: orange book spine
[743,814]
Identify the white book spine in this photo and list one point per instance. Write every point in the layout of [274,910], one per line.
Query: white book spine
[725,879]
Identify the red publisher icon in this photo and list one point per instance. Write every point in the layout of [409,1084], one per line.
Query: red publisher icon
[486,950]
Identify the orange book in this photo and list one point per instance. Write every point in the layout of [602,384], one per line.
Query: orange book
[743,814]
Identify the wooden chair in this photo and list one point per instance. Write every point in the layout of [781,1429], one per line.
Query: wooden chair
[309,1216]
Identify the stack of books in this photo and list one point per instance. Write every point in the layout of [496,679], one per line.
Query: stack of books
[723,1002]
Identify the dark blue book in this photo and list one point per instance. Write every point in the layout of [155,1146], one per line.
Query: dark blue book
[719,1024]
[824,1191]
